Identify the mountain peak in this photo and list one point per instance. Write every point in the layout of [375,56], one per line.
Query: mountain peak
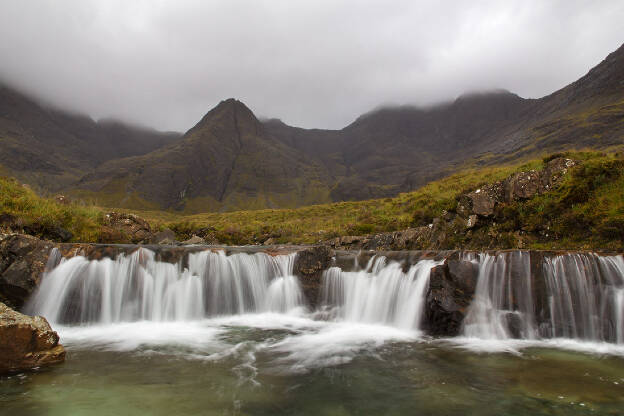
[230,115]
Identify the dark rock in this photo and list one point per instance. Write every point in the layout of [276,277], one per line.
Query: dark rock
[48,232]
[451,289]
[26,342]
[523,185]
[309,266]
[22,261]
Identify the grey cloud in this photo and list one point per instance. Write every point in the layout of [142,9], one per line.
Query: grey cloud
[310,63]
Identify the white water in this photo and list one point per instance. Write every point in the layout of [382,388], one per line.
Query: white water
[382,293]
[136,301]
[582,299]
[502,279]
[139,287]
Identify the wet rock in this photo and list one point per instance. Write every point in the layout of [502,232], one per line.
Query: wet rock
[194,240]
[26,342]
[125,228]
[451,289]
[22,261]
[309,266]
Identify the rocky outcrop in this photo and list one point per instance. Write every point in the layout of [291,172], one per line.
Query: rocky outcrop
[26,342]
[309,266]
[522,185]
[22,261]
[125,228]
[451,289]
[11,224]
[475,211]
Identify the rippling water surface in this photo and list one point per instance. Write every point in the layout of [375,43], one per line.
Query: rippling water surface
[274,364]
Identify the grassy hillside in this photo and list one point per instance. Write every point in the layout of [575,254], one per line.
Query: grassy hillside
[586,211]
[22,209]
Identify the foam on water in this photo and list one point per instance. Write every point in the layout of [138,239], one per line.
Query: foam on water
[212,306]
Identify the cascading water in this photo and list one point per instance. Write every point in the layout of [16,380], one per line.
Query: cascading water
[382,293]
[503,280]
[139,287]
[579,296]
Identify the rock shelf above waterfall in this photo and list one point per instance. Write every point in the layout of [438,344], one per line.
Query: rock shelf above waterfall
[492,294]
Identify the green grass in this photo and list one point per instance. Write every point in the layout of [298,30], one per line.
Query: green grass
[44,215]
[585,212]
[316,223]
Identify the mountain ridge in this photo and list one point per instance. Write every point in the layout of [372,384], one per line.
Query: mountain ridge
[231,160]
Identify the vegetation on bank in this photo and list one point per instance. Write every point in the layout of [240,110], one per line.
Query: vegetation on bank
[23,210]
[585,211]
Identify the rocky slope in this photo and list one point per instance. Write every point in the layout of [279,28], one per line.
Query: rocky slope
[51,148]
[226,161]
[473,220]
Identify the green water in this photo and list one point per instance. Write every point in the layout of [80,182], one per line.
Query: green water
[308,369]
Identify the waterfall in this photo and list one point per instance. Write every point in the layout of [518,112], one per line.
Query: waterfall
[577,295]
[139,287]
[584,297]
[381,293]
[503,302]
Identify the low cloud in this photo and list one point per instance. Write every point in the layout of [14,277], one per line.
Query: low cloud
[313,64]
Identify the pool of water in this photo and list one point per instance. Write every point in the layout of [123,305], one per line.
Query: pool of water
[277,364]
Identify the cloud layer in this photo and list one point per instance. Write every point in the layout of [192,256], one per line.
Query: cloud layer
[314,63]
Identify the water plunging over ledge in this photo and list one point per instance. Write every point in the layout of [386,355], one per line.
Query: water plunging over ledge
[234,332]
[575,295]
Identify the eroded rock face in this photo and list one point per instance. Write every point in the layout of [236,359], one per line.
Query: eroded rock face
[120,227]
[309,266]
[451,289]
[26,342]
[22,261]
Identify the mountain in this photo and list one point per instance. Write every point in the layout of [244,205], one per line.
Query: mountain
[227,161]
[231,160]
[51,148]
[401,148]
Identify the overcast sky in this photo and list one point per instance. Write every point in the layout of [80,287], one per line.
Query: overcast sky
[314,63]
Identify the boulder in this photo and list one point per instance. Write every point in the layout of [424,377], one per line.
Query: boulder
[451,289]
[309,266]
[523,185]
[26,342]
[23,259]
[126,228]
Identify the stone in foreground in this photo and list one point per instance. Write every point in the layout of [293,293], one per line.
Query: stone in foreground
[26,342]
